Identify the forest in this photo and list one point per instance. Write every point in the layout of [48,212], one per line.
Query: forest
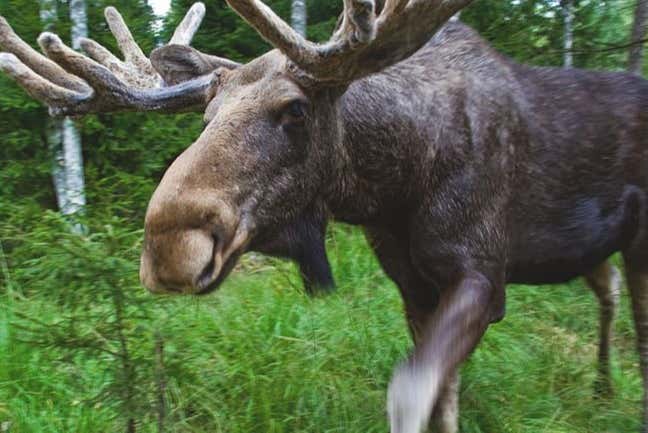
[85,348]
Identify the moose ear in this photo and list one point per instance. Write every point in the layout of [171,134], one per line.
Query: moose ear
[179,63]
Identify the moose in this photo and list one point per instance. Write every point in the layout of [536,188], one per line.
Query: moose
[467,170]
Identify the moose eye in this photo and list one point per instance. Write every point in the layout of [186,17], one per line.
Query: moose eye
[296,109]
[294,113]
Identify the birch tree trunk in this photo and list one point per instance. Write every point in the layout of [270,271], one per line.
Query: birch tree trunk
[568,35]
[62,136]
[298,16]
[54,127]
[54,137]
[635,57]
[73,157]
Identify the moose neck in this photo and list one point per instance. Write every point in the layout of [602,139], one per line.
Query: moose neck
[379,155]
[407,129]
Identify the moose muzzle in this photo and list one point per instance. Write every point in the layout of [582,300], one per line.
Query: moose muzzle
[191,245]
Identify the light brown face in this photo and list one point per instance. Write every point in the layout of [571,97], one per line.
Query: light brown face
[253,168]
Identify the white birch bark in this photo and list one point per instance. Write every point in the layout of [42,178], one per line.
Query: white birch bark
[54,137]
[54,127]
[568,35]
[73,157]
[73,161]
[298,16]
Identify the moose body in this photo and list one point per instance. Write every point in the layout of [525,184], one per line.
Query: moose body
[579,193]
[540,173]
[532,175]
[467,170]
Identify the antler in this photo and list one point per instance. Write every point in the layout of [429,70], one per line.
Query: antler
[363,43]
[71,83]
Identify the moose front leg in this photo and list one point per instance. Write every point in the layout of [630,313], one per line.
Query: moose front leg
[446,339]
[446,411]
[445,416]
[394,255]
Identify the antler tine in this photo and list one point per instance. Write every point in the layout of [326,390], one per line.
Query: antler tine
[187,28]
[274,30]
[358,22]
[99,53]
[363,43]
[311,57]
[98,76]
[37,86]
[132,52]
[35,61]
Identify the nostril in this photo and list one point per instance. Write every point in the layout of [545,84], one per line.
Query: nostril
[207,275]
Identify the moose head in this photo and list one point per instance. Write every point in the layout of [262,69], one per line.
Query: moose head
[271,156]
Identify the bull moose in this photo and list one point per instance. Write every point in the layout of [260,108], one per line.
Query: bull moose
[467,171]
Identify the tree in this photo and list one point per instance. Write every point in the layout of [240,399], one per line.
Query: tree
[54,127]
[568,38]
[73,157]
[63,138]
[635,57]
[298,16]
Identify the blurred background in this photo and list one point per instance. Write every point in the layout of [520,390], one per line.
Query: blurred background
[84,348]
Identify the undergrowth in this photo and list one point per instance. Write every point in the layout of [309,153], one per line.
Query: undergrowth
[260,356]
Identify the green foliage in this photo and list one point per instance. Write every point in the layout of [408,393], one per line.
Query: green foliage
[261,356]
[531,31]
[80,340]
[94,314]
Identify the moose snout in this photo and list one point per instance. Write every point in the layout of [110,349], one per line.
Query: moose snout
[183,258]
[179,261]
[191,231]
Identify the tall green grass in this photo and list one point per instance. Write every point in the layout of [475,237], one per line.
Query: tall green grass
[260,356]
